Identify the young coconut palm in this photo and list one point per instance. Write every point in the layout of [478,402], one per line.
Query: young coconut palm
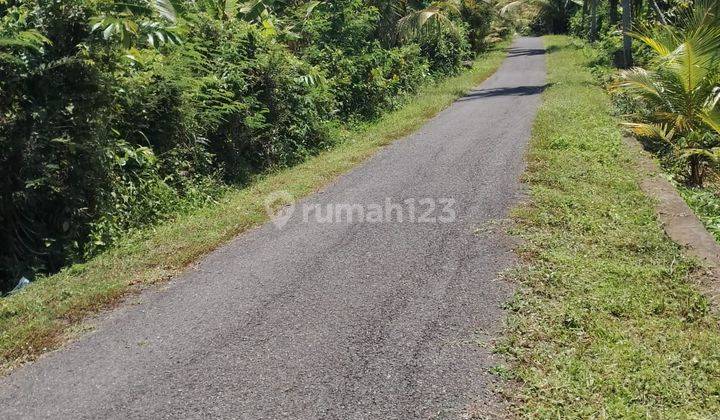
[681,92]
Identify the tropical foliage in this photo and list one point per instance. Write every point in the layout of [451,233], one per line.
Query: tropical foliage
[114,115]
[669,90]
[680,93]
[544,16]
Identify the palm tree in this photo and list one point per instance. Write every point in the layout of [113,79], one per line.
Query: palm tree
[428,20]
[682,93]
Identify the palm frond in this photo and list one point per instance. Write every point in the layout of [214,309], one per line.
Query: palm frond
[166,9]
[712,119]
[30,39]
[430,20]
[662,40]
[639,82]
[659,131]
[710,115]
[509,7]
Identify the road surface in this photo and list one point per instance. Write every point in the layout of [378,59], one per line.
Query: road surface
[329,317]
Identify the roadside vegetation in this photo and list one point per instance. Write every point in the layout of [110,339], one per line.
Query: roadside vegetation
[117,115]
[38,318]
[608,321]
[672,104]
[668,92]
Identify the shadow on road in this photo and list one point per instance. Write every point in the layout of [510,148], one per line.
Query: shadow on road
[505,91]
[517,52]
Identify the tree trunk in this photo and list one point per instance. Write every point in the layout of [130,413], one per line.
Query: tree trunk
[696,172]
[613,12]
[593,21]
[626,27]
[584,17]
[661,15]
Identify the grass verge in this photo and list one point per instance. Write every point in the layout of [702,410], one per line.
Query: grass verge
[607,321]
[35,320]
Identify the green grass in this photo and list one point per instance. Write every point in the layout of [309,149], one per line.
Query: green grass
[40,317]
[705,202]
[607,321]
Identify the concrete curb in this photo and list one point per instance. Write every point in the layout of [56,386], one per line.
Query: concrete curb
[678,220]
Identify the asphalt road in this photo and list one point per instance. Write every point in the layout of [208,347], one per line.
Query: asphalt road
[328,318]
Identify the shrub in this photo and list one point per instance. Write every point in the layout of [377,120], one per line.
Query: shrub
[446,50]
[137,194]
[55,106]
[478,16]
[364,76]
[366,84]
[275,105]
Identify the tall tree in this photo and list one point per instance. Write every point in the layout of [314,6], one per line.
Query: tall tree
[613,12]
[626,27]
[593,20]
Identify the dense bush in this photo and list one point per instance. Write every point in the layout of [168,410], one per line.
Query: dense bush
[56,103]
[447,50]
[553,17]
[116,115]
[479,17]
[274,105]
[371,80]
